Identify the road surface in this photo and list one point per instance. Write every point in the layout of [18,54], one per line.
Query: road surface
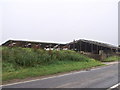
[101,77]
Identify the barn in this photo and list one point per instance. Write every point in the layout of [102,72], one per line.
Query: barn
[92,46]
[31,44]
[80,45]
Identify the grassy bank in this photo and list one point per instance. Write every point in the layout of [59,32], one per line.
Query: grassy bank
[112,58]
[61,66]
[20,63]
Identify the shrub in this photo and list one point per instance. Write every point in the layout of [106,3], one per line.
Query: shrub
[28,57]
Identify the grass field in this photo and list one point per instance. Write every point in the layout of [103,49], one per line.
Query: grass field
[20,63]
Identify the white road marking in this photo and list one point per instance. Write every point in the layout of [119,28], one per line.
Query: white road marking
[114,86]
[43,78]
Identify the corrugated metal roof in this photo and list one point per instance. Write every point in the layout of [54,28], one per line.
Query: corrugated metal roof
[96,43]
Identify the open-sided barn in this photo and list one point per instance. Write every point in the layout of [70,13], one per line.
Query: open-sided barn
[92,46]
[31,44]
[80,45]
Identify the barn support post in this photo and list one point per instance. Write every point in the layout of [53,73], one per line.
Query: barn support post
[91,48]
[111,50]
[80,45]
[85,47]
[97,49]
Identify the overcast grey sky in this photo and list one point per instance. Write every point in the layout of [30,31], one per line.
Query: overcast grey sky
[59,20]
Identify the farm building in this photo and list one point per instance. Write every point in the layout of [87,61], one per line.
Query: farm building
[80,45]
[31,44]
[92,46]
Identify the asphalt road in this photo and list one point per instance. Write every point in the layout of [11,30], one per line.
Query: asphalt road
[102,77]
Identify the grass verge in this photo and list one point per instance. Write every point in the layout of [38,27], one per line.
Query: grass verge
[21,63]
[58,67]
[112,58]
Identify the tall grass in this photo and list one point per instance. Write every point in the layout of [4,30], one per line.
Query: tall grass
[28,57]
[54,68]
[112,58]
[19,63]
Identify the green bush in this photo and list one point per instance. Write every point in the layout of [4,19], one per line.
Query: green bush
[19,63]
[28,57]
[9,67]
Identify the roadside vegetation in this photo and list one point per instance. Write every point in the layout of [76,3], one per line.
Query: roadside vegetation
[112,58]
[20,63]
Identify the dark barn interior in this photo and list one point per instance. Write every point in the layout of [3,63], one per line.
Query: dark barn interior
[92,46]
